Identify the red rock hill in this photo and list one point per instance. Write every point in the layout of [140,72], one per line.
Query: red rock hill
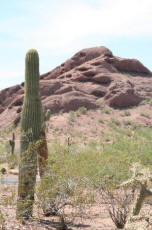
[91,75]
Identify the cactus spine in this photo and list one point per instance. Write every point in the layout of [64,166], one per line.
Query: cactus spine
[31,123]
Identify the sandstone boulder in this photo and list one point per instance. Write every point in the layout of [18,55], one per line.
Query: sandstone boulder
[122,94]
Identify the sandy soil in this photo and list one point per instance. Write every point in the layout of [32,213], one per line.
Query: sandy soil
[93,217]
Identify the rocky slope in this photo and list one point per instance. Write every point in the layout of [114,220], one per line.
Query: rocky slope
[91,75]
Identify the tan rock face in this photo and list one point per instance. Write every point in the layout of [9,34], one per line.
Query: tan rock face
[88,76]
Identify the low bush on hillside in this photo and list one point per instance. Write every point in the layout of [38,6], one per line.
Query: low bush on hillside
[76,173]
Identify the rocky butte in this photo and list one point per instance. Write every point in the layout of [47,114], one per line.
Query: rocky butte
[91,75]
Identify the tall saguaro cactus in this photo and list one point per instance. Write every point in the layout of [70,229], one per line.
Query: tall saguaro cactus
[31,123]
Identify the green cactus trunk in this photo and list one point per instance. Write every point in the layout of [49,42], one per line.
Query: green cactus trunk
[31,123]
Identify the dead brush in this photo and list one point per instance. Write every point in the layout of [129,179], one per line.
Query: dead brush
[117,204]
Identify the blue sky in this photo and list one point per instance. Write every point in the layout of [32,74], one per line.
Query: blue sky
[60,28]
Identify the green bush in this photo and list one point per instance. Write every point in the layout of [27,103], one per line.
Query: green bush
[149,101]
[113,122]
[75,172]
[96,161]
[12,160]
[81,110]
[100,120]
[72,116]
[65,180]
[126,113]
[144,115]
[127,122]
[2,153]
[104,108]
[2,221]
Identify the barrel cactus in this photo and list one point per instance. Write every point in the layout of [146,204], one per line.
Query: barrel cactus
[31,124]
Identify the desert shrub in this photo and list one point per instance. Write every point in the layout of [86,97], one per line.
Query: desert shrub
[71,169]
[75,171]
[127,122]
[114,122]
[2,153]
[107,110]
[5,149]
[12,160]
[101,120]
[118,203]
[2,221]
[144,115]
[6,156]
[6,202]
[64,182]
[149,101]
[104,108]
[72,116]
[81,110]
[126,113]
[101,105]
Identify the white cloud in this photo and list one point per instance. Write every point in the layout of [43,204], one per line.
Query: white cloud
[76,21]
[61,27]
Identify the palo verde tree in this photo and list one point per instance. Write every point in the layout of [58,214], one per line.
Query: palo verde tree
[31,124]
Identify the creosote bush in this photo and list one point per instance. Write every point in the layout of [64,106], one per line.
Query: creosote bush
[74,172]
[64,181]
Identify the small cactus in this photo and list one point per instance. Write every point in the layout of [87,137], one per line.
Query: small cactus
[47,115]
[12,143]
